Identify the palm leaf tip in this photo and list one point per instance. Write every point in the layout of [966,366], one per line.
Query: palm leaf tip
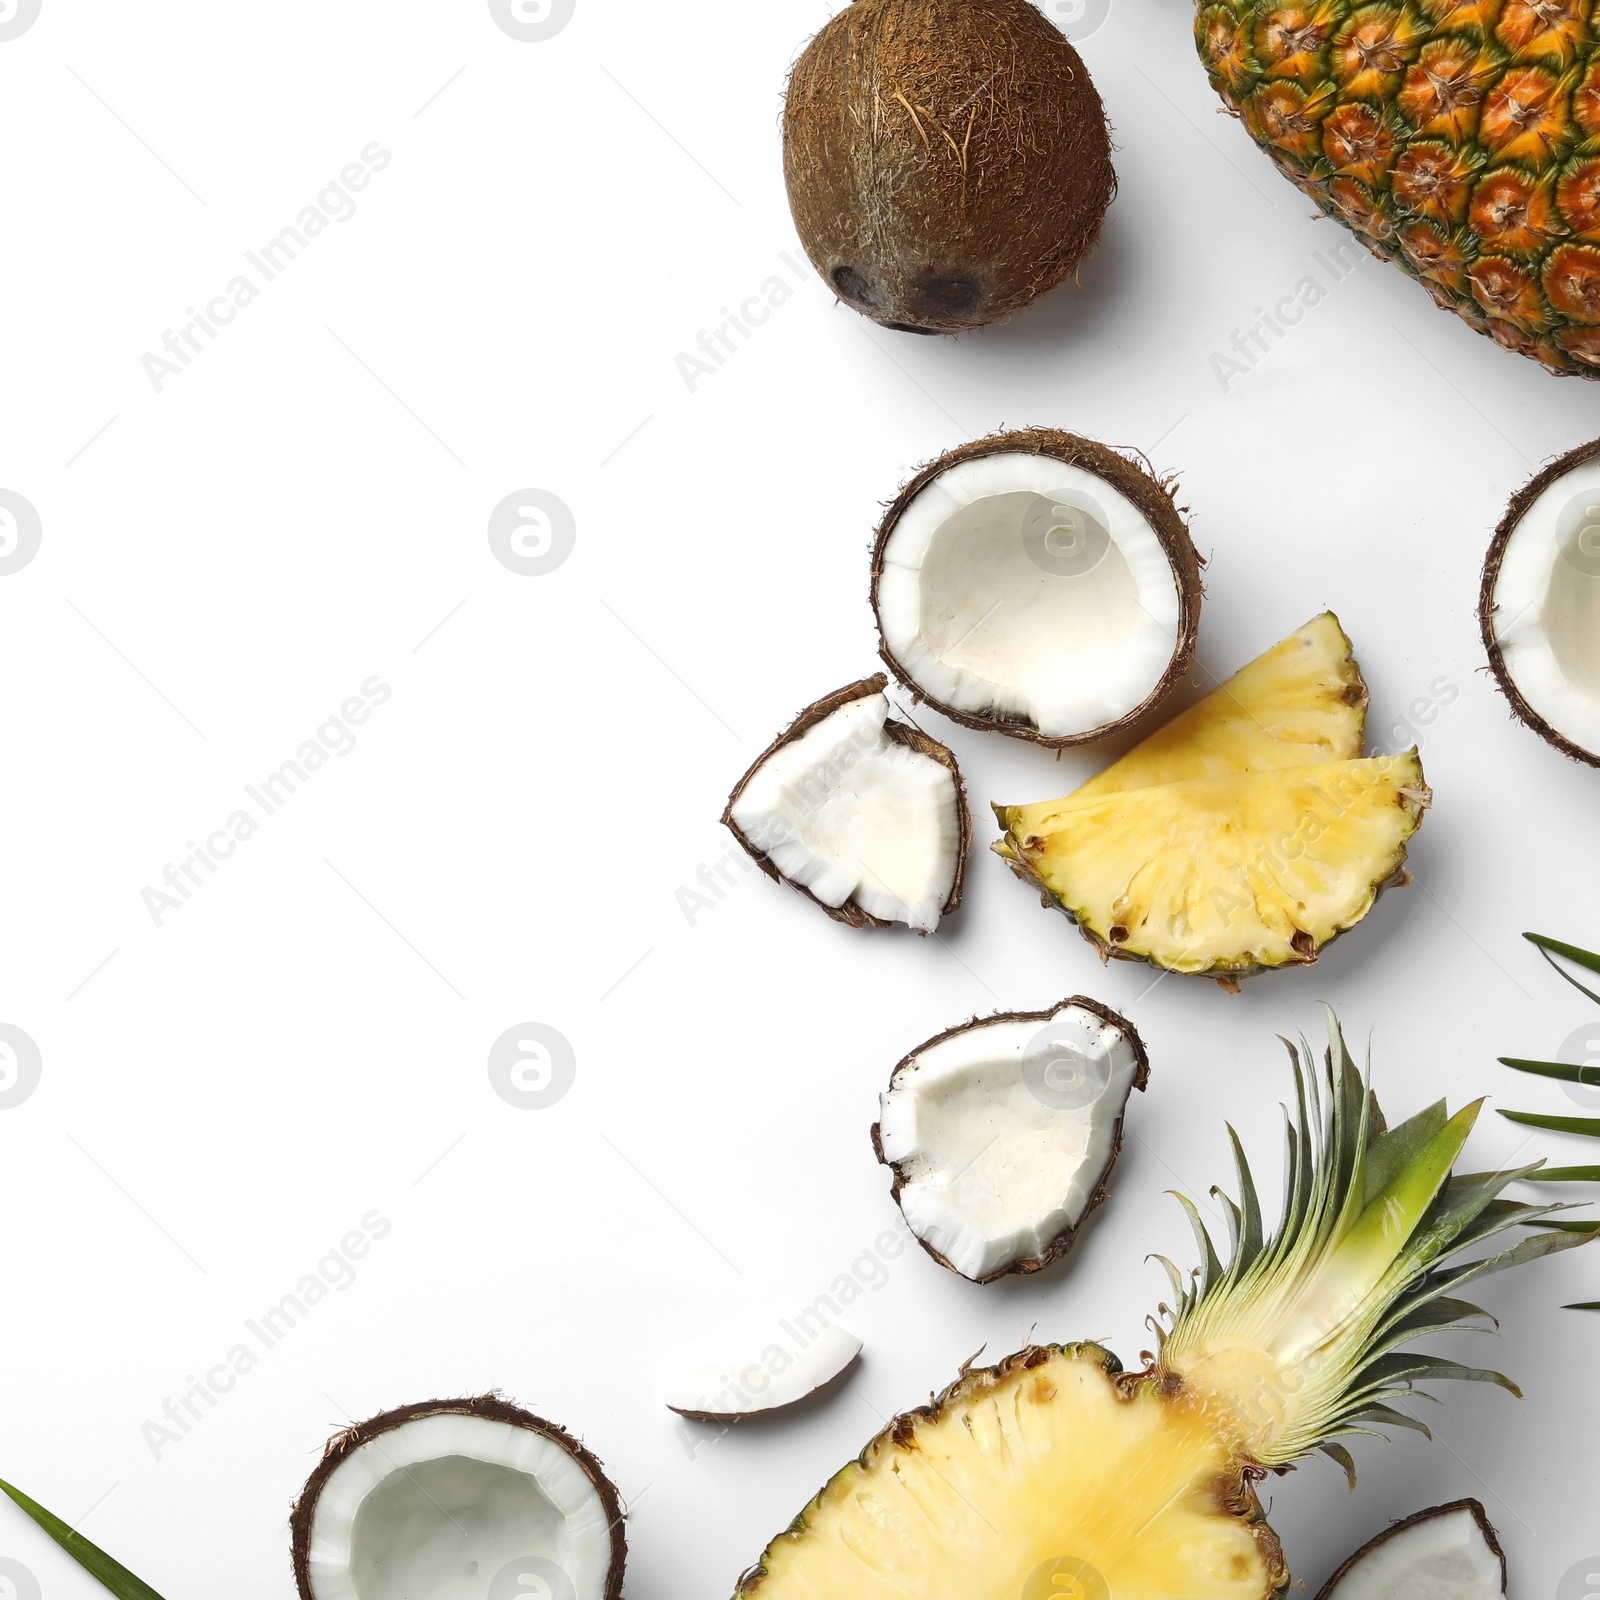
[1563,1072]
[111,1573]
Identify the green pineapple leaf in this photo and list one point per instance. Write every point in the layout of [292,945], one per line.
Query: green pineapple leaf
[91,1558]
[1589,1127]
[1551,948]
[1564,1071]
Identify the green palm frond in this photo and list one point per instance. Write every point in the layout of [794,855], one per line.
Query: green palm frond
[91,1558]
[1562,1072]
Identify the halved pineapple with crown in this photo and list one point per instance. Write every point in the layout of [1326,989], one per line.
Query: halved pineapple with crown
[1058,1473]
[1246,834]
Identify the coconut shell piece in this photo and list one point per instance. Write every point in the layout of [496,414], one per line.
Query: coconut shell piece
[1073,1066]
[898,733]
[1346,1583]
[1151,497]
[489,1408]
[947,161]
[1488,606]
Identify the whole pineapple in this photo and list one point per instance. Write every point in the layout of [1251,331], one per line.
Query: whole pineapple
[1458,138]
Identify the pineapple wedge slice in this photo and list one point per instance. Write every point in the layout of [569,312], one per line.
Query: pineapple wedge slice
[1301,704]
[1224,875]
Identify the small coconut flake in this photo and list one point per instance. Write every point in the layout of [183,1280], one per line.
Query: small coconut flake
[780,1375]
[1039,584]
[1539,609]
[1002,1133]
[863,814]
[453,1499]
[1450,1553]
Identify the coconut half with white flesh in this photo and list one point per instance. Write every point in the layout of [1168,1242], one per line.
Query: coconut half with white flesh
[458,1500]
[1539,607]
[864,815]
[1450,1553]
[780,1375]
[1002,1133]
[1039,584]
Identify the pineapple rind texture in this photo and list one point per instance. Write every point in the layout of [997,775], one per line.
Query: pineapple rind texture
[1054,1456]
[1224,876]
[1459,139]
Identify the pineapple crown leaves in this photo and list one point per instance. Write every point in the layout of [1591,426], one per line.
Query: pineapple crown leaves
[1564,1072]
[1303,1332]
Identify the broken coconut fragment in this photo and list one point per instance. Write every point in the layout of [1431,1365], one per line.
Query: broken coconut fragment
[1039,584]
[862,814]
[1450,1553]
[729,1391]
[1001,1133]
[455,1498]
[1247,834]
[1539,607]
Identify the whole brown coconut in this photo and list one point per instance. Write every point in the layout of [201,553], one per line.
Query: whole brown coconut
[948,161]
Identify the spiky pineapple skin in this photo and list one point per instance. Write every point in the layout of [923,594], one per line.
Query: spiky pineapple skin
[1459,139]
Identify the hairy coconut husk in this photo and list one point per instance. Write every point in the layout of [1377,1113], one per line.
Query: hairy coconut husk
[1478,1514]
[1067,1237]
[1521,501]
[947,161]
[901,733]
[489,1406]
[1154,499]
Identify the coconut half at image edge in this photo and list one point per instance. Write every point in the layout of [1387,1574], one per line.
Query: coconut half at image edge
[864,815]
[1037,584]
[452,1497]
[1449,1553]
[1539,606]
[1002,1133]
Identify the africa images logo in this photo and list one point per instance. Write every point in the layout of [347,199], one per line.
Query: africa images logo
[20,532]
[532,21]
[16,17]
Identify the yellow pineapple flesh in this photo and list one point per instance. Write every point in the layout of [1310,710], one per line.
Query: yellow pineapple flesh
[1225,875]
[1460,139]
[1301,703]
[1246,834]
[1052,1474]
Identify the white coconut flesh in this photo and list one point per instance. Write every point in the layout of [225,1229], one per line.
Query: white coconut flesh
[769,1376]
[440,1508]
[849,814]
[1547,606]
[1443,1557]
[1018,585]
[1001,1134]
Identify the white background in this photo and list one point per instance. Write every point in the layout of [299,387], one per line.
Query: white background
[306,505]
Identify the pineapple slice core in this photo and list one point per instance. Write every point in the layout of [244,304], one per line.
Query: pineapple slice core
[1030,1483]
[1225,874]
